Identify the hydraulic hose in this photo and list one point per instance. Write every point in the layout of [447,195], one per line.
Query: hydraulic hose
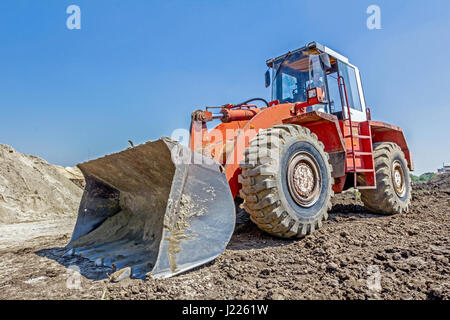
[254,99]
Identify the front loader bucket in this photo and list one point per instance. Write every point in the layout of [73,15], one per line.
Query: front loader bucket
[158,208]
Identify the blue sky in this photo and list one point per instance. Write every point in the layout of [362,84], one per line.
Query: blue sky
[137,69]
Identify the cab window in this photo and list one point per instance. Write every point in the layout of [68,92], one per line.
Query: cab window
[335,96]
[349,74]
[289,86]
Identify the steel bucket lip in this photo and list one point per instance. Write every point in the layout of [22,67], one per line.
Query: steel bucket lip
[164,274]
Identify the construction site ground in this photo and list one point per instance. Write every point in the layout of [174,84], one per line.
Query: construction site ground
[356,255]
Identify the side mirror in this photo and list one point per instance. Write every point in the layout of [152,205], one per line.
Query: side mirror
[325,61]
[267,78]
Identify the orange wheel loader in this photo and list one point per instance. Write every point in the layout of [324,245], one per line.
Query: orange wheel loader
[162,208]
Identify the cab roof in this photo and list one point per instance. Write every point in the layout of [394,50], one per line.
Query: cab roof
[312,45]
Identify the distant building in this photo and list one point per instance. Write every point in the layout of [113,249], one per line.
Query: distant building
[445,169]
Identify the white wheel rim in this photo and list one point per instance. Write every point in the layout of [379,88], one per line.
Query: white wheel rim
[304,179]
[398,179]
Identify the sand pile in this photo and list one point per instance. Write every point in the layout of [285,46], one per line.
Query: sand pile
[32,189]
[73,174]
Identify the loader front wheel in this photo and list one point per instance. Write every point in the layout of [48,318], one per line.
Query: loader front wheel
[286,181]
[393,193]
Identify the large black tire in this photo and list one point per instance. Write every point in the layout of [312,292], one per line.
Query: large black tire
[274,155]
[390,197]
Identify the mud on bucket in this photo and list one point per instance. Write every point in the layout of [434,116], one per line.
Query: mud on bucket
[158,208]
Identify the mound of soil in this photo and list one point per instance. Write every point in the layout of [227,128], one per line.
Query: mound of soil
[73,174]
[441,181]
[32,189]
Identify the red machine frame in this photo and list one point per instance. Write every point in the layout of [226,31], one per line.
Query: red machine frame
[350,150]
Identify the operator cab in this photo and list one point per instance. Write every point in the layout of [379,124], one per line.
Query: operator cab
[315,66]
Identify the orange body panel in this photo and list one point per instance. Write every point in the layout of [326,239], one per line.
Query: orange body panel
[226,143]
[221,142]
[267,118]
[383,132]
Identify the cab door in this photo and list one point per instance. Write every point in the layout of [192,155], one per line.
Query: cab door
[354,91]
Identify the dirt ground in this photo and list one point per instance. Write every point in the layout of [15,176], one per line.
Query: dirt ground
[356,255]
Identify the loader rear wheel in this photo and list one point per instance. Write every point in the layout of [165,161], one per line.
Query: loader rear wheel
[286,181]
[393,193]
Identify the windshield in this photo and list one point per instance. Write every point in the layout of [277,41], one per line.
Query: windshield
[298,73]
